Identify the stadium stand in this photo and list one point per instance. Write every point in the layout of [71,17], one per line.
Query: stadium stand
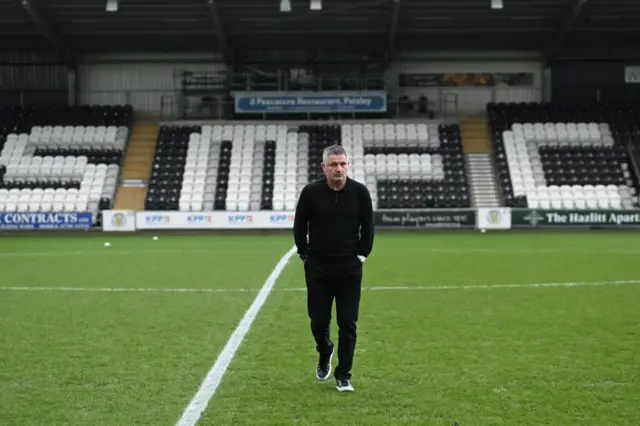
[566,157]
[61,158]
[415,166]
[251,167]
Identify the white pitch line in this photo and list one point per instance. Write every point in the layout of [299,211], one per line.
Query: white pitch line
[373,288]
[211,382]
[134,289]
[101,252]
[114,252]
[492,286]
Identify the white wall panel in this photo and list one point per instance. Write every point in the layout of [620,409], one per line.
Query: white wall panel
[470,99]
[102,98]
[137,83]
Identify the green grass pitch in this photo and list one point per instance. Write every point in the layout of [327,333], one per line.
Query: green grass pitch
[509,328]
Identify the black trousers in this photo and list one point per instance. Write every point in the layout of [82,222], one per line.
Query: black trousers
[339,279]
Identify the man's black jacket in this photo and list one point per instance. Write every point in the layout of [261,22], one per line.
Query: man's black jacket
[339,223]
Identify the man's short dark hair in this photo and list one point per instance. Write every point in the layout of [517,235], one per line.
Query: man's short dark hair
[333,150]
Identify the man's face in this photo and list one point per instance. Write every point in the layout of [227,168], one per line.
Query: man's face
[336,168]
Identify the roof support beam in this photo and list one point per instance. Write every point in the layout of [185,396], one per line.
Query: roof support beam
[563,31]
[312,15]
[393,29]
[217,25]
[43,26]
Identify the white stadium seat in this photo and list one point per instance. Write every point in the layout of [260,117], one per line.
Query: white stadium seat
[250,167]
[525,144]
[63,168]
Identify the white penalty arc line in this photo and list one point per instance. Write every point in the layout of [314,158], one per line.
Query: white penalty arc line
[298,289]
[199,402]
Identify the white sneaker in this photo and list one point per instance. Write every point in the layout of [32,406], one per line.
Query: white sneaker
[344,385]
[323,369]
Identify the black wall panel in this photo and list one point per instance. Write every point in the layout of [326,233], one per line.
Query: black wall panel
[585,81]
[32,79]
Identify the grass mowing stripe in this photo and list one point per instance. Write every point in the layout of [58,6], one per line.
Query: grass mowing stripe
[374,288]
[112,252]
[208,387]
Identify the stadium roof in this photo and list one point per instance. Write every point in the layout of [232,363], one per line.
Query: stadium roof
[236,27]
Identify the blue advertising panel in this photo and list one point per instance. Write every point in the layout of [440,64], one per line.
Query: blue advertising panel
[45,220]
[309,102]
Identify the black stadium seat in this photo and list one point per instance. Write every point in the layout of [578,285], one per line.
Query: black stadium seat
[566,156]
[167,171]
[61,158]
[320,137]
[418,167]
[249,167]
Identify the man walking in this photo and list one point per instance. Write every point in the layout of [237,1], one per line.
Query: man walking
[337,214]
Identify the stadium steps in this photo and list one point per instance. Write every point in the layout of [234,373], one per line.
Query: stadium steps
[139,156]
[484,190]
[477,149]
[130,198]
[475,136]
[136,170]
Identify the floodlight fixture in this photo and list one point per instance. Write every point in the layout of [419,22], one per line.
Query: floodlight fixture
[112,5]
[285,5]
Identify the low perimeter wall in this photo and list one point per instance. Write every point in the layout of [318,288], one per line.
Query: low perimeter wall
[482,218]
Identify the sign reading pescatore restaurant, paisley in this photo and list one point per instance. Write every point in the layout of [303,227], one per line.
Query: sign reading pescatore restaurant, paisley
[611,218]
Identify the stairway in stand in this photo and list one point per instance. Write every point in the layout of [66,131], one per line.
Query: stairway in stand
[136,170]
[477,149]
